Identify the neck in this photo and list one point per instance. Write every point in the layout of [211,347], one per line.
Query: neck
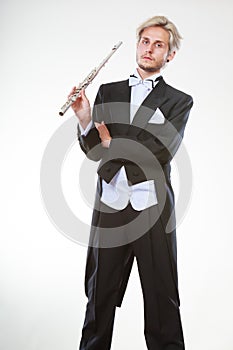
[144,74]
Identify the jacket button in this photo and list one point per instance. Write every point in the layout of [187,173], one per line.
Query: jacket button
[135,173]
[108,170]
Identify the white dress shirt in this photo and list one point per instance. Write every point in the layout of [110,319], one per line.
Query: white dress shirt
[117,193]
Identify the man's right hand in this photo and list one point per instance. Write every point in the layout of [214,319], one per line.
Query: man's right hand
[81,108]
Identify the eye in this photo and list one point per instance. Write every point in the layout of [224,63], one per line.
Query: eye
[159,45]
[145,41]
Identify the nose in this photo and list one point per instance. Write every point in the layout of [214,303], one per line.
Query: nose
[149,48]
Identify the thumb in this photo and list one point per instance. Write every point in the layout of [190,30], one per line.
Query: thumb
[83,94]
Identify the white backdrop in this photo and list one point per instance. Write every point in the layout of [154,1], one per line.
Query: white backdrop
[46,48]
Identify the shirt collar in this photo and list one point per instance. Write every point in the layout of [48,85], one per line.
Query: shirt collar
[150,79]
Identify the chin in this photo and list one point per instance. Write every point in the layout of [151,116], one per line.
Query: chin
[147,68]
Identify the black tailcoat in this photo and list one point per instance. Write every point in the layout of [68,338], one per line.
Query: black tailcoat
[145,149]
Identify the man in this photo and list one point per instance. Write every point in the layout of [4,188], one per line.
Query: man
[135,129]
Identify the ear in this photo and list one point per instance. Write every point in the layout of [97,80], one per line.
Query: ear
[170,56]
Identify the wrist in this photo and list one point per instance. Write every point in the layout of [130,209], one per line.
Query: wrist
[106,143]
[84,122]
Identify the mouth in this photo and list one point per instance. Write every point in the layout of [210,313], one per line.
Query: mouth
[147,58]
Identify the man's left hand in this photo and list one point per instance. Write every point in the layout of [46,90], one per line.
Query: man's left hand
[103,134]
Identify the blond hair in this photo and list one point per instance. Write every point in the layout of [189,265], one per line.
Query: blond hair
[165,23]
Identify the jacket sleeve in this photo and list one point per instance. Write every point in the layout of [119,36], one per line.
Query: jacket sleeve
[91,143]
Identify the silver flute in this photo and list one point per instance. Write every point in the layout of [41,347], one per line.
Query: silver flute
[87,81]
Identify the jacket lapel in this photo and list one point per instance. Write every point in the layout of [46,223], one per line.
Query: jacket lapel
[120,103]
[119,99]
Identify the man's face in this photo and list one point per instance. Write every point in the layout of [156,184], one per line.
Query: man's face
[152,49]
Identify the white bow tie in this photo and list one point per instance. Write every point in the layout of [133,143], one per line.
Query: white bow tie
[149,83]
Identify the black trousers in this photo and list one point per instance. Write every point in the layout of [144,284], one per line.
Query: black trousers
[107,272]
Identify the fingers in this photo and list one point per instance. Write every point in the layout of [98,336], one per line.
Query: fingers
[103,131]
[72,91]
[101,127]
[97,125]
[82,93]
[83,96]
